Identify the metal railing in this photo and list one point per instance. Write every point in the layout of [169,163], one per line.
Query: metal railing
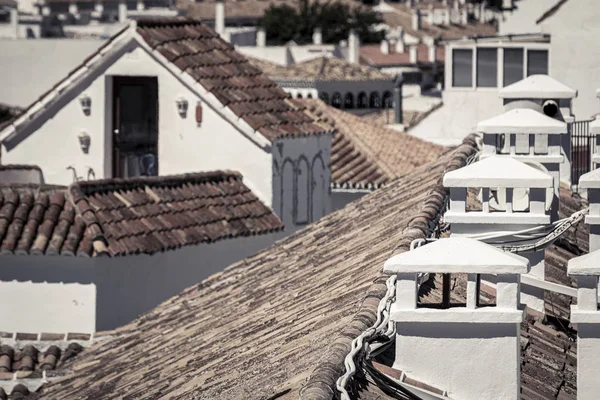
[582,147]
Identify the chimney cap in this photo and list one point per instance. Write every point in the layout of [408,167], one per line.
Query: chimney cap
[587,264]
[538,87]
[590,180]
[522,120]
[498,172]
[457,255]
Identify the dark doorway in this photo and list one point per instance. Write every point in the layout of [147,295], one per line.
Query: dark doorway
[135,126]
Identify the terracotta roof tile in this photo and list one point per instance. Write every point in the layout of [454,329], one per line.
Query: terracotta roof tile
[321,69]
[199,51]
[366,155]
[130,216]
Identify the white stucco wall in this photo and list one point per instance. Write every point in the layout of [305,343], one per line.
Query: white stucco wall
[301,179]
[522,18]
[458,358]
[183,145]
[47,307]
[575,54]
[125,286]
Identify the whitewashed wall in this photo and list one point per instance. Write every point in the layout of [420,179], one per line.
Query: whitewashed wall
[183,145]
[125,286]
[522,18]
[34,307]
[301,180]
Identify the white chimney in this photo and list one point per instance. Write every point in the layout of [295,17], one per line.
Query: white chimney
[400,44]
[99,7]
[430,15]
[317,36]
[122,11]
[353,47]
[482,12]
[591,182]
[464,17]
[514,197]
[141,6]
[220,17]
[73,9]
[447,16]
[261,37]
[464,341]
[385,47]
[541,93]
[412,55]
[416,20]
[431,48]
[587,317]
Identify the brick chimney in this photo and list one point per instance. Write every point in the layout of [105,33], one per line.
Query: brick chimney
[587,317]
[220,17]
[317,36]
[514,197]
[470,352]
[416,20]
[550,97]
[353,47]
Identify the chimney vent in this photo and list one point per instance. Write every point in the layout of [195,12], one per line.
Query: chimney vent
[431,49]
[400,44]
[353,47]
[385,46]
[220,17]
[485,335]
[416,20]
[317,36]
[261,37]
[413,54]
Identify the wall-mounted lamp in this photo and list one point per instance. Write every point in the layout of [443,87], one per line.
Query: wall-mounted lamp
[84,141]
[86,104]
[182,107]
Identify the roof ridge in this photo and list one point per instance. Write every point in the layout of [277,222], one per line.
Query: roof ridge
[322,380]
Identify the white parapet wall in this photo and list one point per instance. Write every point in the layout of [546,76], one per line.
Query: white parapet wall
[48,307]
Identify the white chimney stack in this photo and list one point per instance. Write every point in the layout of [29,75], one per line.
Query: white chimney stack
[122,12]
[587,317]
[353,47]
[482,12]
[518,193]
[430,15]
[464,17]
[413,54]
[431,50]
[447,16]
[416,20]
[400,44]
[385,47]
[591,182]
[261,37]
[220,17]
[464,341]
[317,36]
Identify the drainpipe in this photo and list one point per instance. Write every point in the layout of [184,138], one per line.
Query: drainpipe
[398,82]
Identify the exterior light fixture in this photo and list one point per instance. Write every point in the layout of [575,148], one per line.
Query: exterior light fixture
[86,104]
[84,141]
[182,107]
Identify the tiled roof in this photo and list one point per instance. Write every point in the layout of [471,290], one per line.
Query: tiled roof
[299,313]
[199,51]
[371,54]
[402,17]
[130,216]
[365,155]
[385,116]
[321,69]
[259,328]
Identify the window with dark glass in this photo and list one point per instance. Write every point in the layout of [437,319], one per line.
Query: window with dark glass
[487,67]
[462,68]
[513,65]
[537,62]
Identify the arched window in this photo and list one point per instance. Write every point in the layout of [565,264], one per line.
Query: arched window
[299,95]
[309,96]
[302,192]
[336,100]
[374,101]
[388,101]
[319,189]
[349,100]
[363,101]
[324,97]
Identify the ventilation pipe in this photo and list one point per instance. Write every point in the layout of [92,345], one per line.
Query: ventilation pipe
[398,83]
[261,37]
[317,36]
[550,108]
[220,17]
[416,20]
[353,47]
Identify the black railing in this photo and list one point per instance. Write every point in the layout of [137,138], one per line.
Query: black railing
[582,145]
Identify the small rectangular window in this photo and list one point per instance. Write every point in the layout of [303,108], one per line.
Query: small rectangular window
[537,62]
[462,68]
[487,67]
[513,66]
